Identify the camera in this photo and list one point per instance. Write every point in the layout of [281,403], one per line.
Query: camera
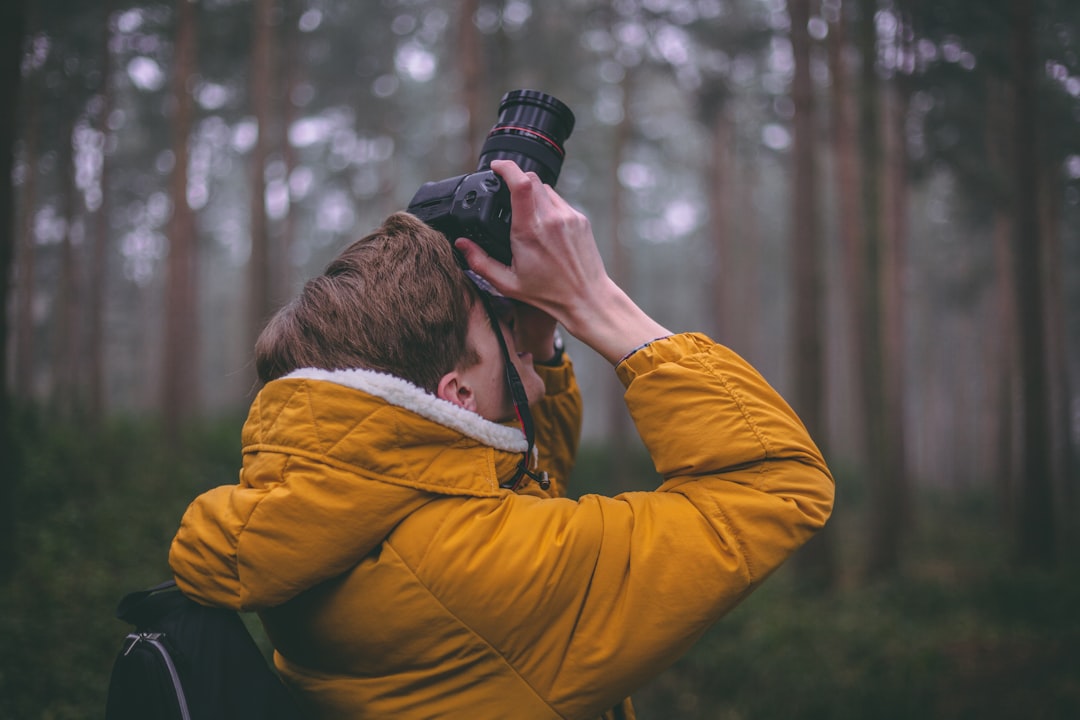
[530,130]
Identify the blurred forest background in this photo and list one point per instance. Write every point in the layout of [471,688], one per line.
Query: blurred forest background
[877,202]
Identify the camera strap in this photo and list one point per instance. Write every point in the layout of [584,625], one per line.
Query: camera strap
[521,407]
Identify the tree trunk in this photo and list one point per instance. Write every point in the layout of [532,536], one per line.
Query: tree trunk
[1057,369]
[95,351]
[720,191]
[815,565]
[180,378]
[894,281]
[849,230]
[63,386]
[260,304]
[12,16]
[1003,428]
[1003,437]
[1037,537]
[292,66]
[884,545]
[26,257]
[471,66]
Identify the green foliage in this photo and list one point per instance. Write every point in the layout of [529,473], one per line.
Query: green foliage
[959,634]
[97,508]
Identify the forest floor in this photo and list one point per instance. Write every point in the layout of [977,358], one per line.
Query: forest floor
[958,632]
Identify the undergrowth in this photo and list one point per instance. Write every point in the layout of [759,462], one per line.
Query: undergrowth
[958,633]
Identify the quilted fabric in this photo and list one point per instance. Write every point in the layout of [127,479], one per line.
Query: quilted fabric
[396,579]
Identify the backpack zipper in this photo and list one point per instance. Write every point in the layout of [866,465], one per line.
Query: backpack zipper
[154,639]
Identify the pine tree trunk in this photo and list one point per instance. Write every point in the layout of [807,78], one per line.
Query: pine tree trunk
[1057,369]
[720,190]
[63,385]
[260,304]
[846,161]
[884,535]
[815,563]
[291,62]
[1003,437]
[471,67]
[894,274]
[26,256]
[12,17]
[180,380]
[95,351]
[1037,536]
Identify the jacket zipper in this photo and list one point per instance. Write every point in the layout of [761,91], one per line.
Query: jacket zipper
[154,639]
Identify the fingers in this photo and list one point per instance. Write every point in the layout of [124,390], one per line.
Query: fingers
[499,275]
[527,191]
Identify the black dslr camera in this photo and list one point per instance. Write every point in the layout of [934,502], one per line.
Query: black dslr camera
[531,129]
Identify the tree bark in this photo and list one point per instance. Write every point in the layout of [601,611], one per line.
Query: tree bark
[180,371]
[720,189]
[292,65]
[471,65]
[63,385]
[26,255]
[1037,536]
[815,565]
[894,280]
[884,536]
[849,229]
[260,304]
[12,17]
[1060,390]
[95,351]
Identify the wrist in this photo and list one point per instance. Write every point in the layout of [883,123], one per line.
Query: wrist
[555,357]
[611,323]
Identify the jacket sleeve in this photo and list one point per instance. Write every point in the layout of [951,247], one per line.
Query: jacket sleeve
[557,420]
[597,596]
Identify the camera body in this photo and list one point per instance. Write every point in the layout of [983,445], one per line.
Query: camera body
[475,206]
[531,129]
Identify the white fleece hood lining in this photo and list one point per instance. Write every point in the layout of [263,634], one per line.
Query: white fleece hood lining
[403,394]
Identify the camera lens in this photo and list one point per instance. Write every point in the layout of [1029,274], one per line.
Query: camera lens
[531,129]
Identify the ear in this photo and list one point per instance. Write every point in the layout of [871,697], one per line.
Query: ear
[453,388]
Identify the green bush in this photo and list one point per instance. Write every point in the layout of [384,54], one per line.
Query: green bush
[96,508]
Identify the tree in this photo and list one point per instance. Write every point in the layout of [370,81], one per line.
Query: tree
[894,237]
[12,18]
[1036,540]
[180,371]
[99,258]
[260,303]
[816,562]
[884,550]
[845,160]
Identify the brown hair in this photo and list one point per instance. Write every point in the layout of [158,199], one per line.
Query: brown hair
[395,301]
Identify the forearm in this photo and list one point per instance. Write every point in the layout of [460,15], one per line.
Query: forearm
[610,322]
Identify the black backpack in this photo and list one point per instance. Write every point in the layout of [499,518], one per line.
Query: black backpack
[186,661]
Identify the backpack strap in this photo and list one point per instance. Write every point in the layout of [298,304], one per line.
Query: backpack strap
[144,607]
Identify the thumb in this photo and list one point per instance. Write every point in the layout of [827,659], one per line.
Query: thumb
[500,276]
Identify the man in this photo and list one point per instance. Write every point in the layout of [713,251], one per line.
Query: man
[393,573]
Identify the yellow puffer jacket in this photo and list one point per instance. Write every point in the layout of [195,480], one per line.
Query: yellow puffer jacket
[397,580]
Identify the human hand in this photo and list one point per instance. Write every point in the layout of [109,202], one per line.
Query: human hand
[556,268]
[555,260]
[534,332]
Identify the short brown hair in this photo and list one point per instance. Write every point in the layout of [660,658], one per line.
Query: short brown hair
[395,301]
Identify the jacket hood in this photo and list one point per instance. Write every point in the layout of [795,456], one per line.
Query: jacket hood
[332,462]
